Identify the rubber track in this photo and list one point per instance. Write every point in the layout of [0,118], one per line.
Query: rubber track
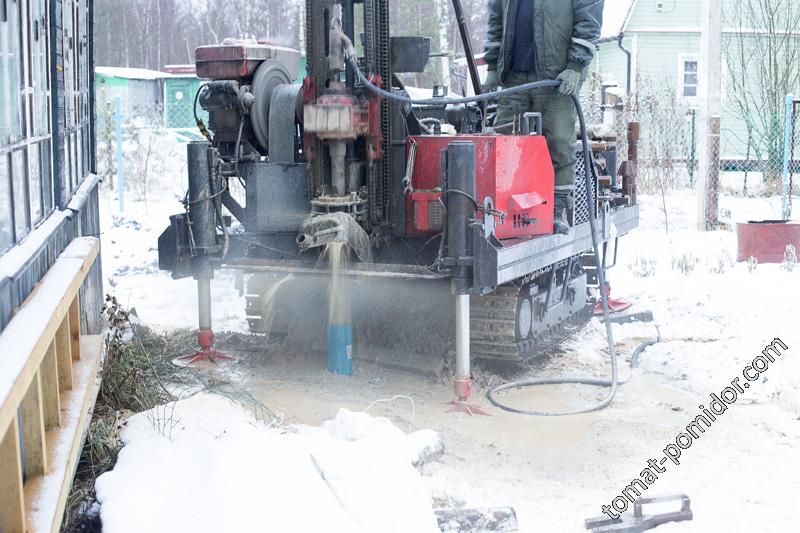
[493,329]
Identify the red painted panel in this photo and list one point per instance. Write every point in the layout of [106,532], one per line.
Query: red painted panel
[766,241]
[515,171]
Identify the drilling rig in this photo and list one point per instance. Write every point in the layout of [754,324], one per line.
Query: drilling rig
[424,193]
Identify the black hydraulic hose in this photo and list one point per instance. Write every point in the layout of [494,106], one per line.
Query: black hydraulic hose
[444,101]
[568,380]
[642,346]
[614,382]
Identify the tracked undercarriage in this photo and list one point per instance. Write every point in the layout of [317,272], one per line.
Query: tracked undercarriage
[516,323]
[519,322]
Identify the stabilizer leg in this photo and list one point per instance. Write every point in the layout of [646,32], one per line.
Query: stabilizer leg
[462,384]
[205,335]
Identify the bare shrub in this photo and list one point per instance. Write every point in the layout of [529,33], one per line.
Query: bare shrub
[685,263]
[643,267]
[105,134]
[721,263]
[665,145]
[761,71]
[789,258]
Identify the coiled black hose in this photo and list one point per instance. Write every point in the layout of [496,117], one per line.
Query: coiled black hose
[613,383]
[569,380]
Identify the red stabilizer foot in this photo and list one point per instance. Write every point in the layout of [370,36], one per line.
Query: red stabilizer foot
[205,355]
[614,306]
[457,406]
[205,338]
[463,390]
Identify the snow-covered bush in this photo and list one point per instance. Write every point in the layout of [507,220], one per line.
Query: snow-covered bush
[720,263]
[685,262]
[643,267]
[789,258]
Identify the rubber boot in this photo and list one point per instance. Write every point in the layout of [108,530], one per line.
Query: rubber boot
[561,224]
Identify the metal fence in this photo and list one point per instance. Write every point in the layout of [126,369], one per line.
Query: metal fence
[791,167]
[767,167]
[135,146]
[732,155]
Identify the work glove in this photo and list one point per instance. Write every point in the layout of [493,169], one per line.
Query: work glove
[492,82]
[570,79]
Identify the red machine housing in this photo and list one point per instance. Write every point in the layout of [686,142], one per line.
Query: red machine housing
[236,59]
[516,172]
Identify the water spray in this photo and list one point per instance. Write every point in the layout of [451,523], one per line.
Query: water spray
[340,323]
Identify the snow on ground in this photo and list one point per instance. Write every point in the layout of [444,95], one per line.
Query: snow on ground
[714,315]
[206,464]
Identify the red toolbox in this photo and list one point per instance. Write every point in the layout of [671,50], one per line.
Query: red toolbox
[515,171]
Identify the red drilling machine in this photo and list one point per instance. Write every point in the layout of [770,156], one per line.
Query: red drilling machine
[425,194]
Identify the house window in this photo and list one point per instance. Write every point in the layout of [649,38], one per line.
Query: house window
[26,192]
[689,84]
[11,125]
[6,222]
[19,196]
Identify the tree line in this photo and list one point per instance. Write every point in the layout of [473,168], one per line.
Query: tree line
[154,33]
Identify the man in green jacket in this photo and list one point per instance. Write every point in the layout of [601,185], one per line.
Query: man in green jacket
[534,40]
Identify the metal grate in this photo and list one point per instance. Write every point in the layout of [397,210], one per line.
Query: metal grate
[581,211]
[435,216]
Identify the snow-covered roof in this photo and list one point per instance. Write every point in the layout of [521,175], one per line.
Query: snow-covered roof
[616,14]
[131,73]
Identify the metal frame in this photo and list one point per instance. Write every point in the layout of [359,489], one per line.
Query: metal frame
[496,264]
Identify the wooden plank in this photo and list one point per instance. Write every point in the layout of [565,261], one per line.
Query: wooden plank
[23,348]
[65,452]
[51,400]
[64,356]
[12,503]
[33,430]
[75,328]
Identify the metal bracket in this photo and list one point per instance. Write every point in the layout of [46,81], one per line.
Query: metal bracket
[488,217]
[532,124]
[606,266]
[638,522]
[335,227]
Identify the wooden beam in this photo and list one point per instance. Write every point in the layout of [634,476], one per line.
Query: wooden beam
[44,510]
[12,504]
[25,340]
[75,328]
[51,400]
[64,356]
[36,362]
[33,430]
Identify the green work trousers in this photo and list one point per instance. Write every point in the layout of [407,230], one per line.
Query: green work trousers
[558,122]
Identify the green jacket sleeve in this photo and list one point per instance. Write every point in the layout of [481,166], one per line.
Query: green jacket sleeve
[586,32]
[494,33]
